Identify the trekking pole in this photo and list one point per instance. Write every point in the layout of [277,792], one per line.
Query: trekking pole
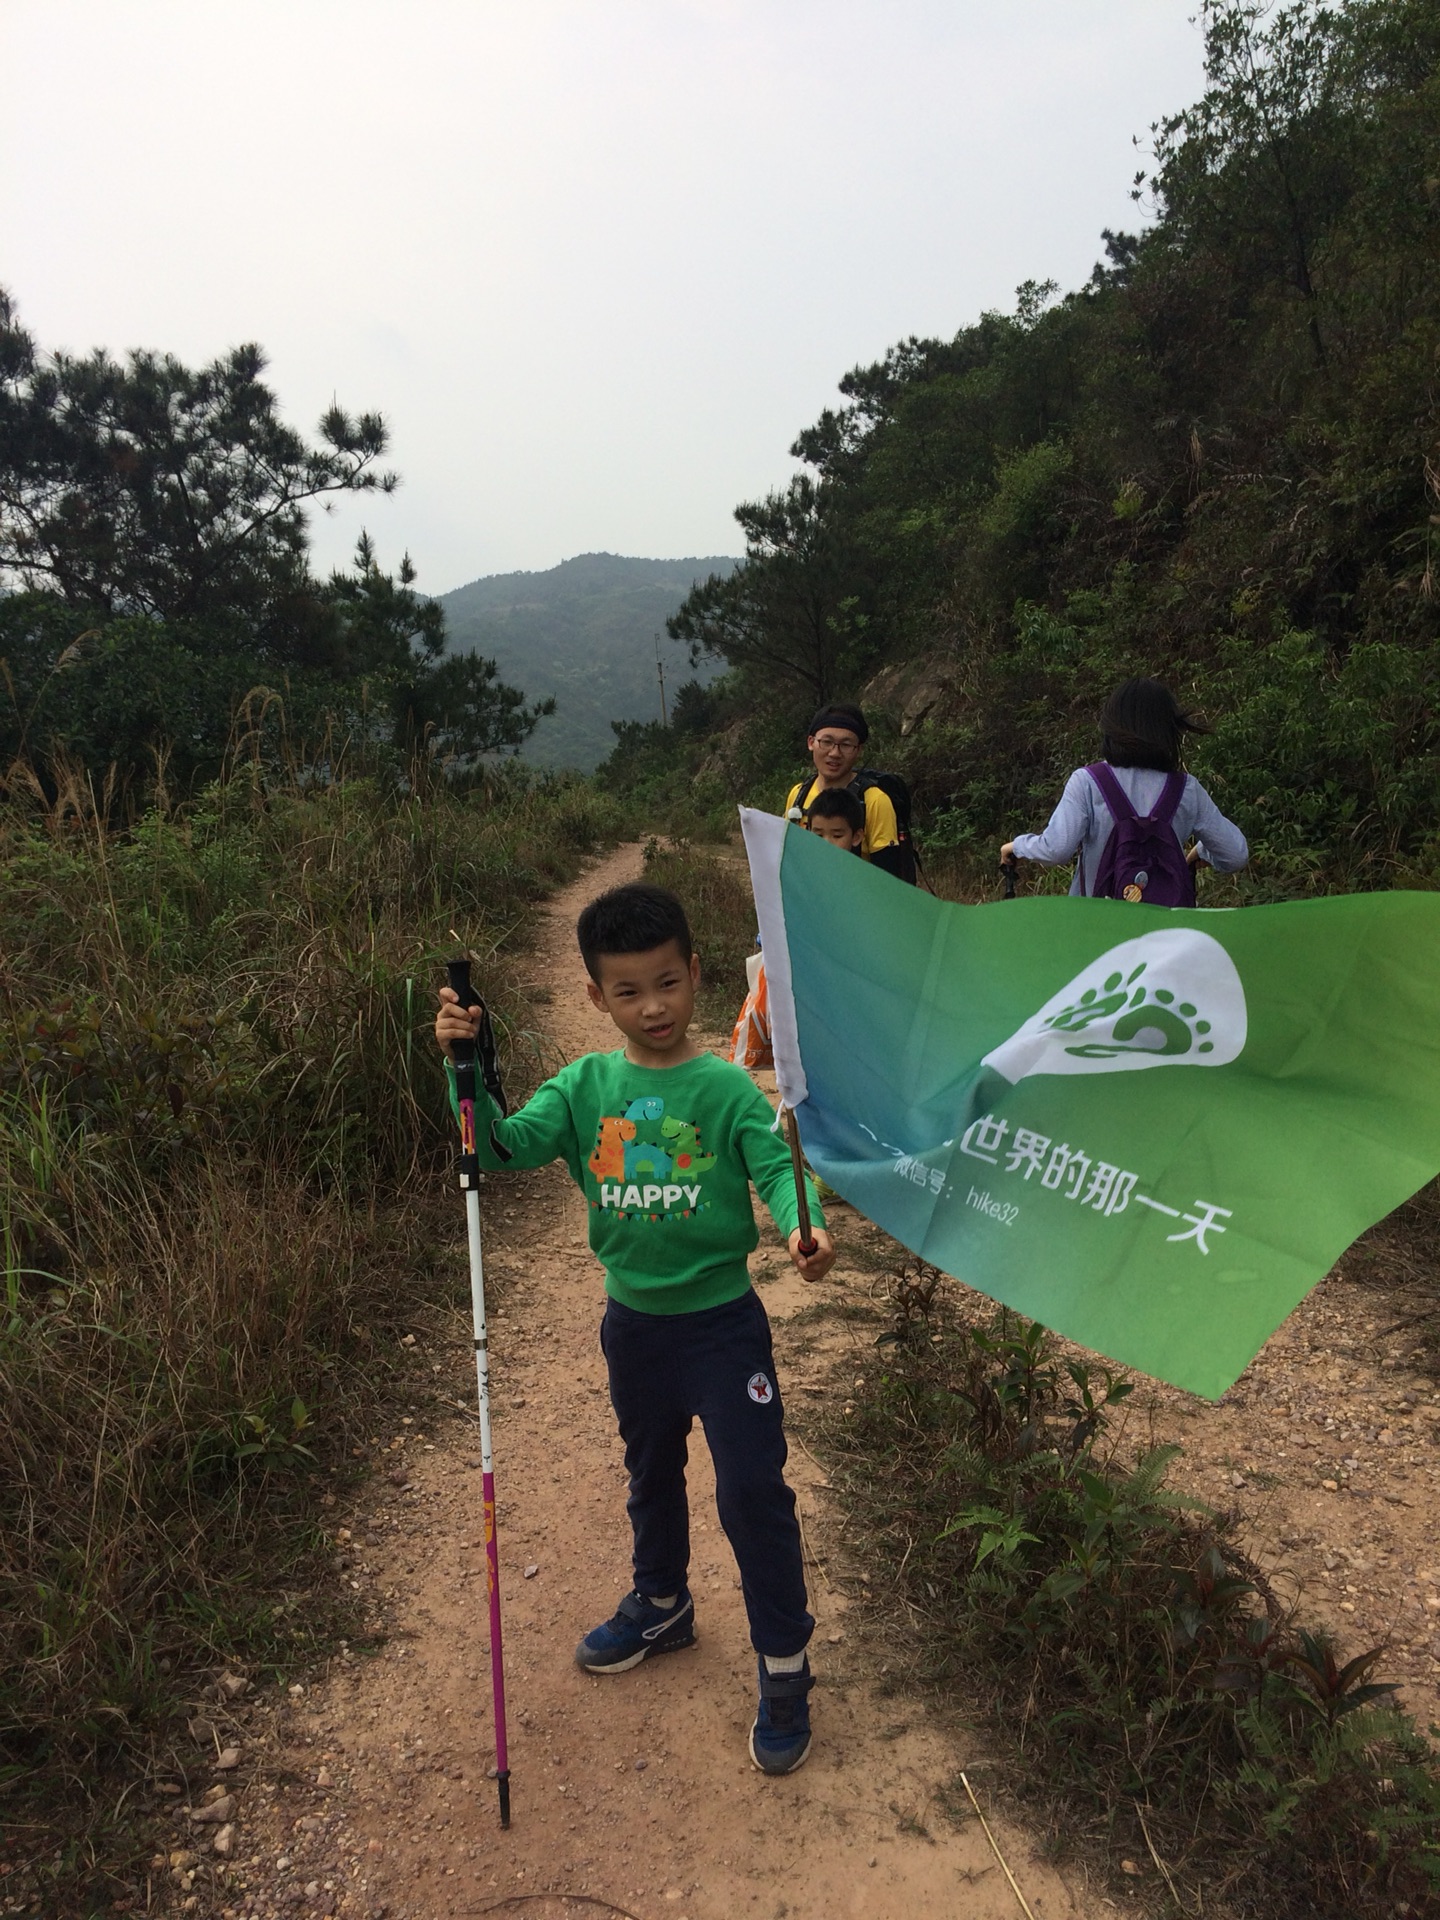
[464,1052]
[808,1242]
[1007,869]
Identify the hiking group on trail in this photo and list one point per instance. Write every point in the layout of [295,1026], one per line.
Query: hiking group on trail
[665,1139]
[1124,820]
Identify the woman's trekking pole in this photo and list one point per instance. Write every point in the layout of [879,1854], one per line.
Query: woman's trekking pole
[808,1242]
[464,1052]
[1007,868]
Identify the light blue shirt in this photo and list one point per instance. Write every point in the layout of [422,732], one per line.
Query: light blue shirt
[1081,824]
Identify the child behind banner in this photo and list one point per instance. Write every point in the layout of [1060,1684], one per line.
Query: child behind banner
[838,816]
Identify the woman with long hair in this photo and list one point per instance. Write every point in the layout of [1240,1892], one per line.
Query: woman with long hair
[1138,783]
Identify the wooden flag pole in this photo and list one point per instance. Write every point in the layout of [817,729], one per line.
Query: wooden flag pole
[808,1242]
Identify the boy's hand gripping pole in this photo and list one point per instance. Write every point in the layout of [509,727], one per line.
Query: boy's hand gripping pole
[808,1242]
[464,1052]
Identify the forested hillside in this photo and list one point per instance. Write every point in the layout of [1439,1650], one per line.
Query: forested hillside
[585,634]
[1217,461]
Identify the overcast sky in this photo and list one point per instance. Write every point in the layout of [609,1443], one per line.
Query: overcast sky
[596,261]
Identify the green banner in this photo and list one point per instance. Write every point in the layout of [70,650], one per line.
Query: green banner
[1152,1130]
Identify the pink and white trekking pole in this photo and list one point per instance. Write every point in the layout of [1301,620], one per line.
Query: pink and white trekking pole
[464,1052]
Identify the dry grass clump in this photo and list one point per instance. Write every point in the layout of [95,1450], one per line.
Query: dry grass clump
[170,1402]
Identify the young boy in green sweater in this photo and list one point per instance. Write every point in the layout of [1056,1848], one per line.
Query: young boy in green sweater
[664,1139]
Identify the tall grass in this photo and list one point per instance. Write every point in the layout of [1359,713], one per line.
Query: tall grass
[219,1110]
[715,887]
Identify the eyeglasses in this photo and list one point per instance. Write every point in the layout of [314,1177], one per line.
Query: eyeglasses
[847,743]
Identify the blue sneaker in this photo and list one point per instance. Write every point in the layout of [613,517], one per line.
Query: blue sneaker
[637,1629]
[780,1737]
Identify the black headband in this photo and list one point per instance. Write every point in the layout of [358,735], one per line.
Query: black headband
[850,718]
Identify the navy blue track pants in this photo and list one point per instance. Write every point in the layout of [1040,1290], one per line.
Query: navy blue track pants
[667,1370]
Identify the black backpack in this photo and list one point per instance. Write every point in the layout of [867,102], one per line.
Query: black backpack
[897,793]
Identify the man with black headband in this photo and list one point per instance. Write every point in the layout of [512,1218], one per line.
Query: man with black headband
[837,733]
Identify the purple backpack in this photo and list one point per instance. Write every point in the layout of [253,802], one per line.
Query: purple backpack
[1143,858]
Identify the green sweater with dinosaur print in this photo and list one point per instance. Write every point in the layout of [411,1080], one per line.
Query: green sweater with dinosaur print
[665,1157]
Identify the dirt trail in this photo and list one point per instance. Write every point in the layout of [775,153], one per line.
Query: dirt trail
[632,1794]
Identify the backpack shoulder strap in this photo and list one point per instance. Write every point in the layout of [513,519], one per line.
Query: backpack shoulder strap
[864,778]
[1111,791]
[1171,794]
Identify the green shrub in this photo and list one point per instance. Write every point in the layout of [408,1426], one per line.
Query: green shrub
[1160,1690]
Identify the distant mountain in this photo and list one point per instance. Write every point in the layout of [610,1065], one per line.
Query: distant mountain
[584,631]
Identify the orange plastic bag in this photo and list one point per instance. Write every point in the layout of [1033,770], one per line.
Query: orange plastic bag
[750,1043]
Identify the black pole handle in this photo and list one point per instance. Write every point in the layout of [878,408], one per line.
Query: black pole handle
[458,974]
[481,1050]
[1007,868]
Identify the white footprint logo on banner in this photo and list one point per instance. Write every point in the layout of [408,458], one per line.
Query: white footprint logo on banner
[1168,999]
